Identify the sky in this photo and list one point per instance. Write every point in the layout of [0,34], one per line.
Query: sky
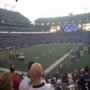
[34,9]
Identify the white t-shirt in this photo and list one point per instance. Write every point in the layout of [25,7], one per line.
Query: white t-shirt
[43,86]
[25,84]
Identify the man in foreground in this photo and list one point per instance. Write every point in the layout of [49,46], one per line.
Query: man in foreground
[37,83]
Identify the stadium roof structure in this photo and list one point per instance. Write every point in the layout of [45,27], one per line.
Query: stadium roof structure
[12,18]
[76,19]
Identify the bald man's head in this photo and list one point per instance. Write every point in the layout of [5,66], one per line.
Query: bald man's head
[36,71]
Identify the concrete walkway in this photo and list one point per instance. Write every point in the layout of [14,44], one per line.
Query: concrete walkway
[7,70]
[4,69]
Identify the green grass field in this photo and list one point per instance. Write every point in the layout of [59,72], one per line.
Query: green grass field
[84,61]
[45,54]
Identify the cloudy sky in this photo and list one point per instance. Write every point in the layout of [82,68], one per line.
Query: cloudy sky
[34,9]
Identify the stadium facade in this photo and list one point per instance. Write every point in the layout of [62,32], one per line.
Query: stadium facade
[64,22]
[15,22]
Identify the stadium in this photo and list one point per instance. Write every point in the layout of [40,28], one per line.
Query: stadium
[44,45]
[21,41]
[60,44]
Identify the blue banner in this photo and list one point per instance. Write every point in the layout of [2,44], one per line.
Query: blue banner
[70,28]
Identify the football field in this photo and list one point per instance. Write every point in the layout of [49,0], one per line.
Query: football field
[46,54]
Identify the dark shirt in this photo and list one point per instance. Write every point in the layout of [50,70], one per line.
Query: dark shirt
[84,82]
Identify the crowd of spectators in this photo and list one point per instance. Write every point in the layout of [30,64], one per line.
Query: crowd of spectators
[77,80]
[26,40]
[36,79]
